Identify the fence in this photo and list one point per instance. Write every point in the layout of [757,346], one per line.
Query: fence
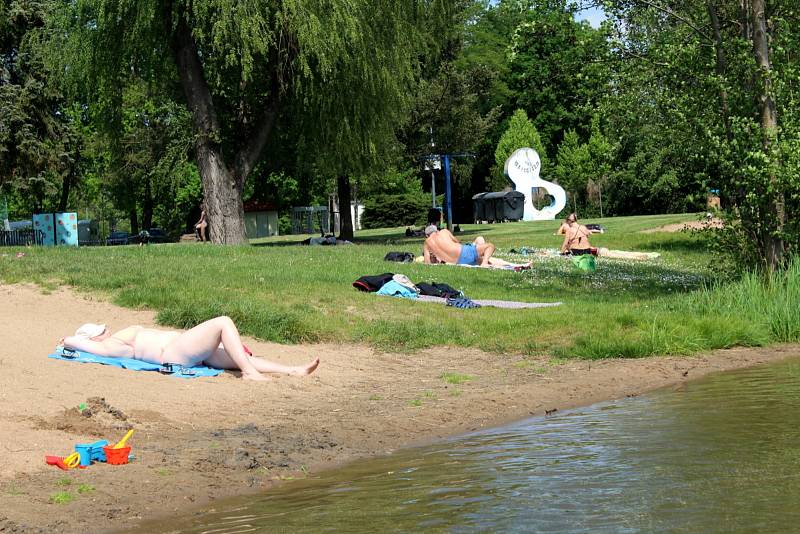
[310,220]
[21,238]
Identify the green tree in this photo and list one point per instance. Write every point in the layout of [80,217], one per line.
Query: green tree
[520,133]
[336,72]
[558,69]
[573,168]
[38,141]
[716,75]
[601,157]
[150,154]
[448,110]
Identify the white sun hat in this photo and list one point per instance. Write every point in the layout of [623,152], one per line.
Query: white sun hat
[90,330]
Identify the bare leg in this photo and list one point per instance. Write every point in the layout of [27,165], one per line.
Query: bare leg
[221,360]
[485,252]
[497,262]
[201,342]
[479,241]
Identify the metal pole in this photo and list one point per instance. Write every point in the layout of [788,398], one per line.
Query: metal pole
[433,186]
[448,197]
[432,163]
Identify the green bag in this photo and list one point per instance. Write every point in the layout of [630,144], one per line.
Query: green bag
[585,263]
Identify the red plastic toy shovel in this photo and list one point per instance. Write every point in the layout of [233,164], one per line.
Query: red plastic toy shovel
[57,461]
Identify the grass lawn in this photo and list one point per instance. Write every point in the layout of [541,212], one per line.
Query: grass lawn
[291,294]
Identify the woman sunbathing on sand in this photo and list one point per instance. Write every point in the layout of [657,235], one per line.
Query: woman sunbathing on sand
[215,343]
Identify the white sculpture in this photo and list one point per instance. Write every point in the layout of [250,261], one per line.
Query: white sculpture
[522,168]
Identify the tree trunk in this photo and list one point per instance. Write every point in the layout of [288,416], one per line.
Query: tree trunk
[773,241]
[345,218]
[134,219]
[222,184]
[65,187]
[223,190]
[147,205]
[223,198]
[721,67]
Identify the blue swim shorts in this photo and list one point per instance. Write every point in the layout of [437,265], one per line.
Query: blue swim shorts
[468,256]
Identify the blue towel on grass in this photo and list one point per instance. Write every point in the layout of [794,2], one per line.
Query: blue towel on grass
[135,365]
[393,289]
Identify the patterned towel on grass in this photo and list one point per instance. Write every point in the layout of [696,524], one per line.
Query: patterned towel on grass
[134,365]
[508,304]
[513,267]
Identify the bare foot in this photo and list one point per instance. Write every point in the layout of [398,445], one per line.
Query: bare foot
[304,370]
[257,377]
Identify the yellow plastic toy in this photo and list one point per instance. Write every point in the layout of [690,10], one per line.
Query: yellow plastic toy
[72,460]
[121,443]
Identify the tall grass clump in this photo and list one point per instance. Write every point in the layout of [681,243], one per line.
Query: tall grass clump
[771,300]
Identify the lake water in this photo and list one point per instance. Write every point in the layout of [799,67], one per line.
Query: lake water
[721,454]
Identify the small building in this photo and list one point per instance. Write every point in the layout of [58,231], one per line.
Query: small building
[260,219]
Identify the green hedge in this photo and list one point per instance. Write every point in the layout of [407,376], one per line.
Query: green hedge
[386,211]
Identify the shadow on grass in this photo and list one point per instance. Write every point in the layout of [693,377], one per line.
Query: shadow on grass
[278,244]
[356,241]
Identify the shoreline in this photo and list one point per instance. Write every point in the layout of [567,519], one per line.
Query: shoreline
[200,440]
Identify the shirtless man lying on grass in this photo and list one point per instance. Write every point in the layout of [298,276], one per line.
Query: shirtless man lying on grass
[441,246]
[215,343]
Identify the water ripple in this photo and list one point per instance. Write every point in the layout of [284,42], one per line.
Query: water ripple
[718,455]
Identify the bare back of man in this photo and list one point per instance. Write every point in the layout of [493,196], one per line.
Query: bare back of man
[444,246]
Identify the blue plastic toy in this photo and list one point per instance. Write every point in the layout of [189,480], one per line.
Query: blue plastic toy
[90,452]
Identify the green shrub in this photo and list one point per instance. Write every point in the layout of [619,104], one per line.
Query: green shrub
[386,211]
[285,224]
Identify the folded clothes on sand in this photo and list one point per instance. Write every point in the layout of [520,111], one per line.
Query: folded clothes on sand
[134,365]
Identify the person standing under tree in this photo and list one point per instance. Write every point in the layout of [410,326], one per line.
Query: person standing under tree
[200,228]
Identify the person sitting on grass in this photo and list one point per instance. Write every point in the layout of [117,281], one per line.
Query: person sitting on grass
[576,240]
[441,246]
[214,343]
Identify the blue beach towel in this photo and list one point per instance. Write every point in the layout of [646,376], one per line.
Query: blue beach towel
[135,365]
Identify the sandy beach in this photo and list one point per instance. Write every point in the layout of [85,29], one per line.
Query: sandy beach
[201,439]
